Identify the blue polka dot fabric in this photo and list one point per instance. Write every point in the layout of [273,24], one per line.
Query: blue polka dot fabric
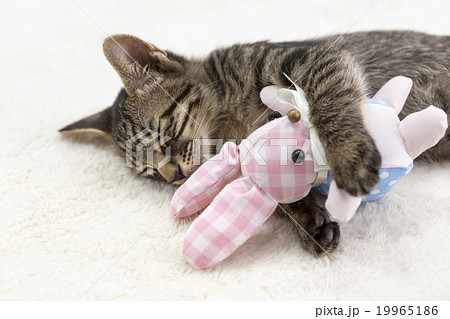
[389,177]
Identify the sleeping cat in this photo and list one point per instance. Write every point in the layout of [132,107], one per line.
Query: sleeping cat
[218,97]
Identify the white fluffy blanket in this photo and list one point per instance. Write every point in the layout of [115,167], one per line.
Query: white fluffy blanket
[75,222]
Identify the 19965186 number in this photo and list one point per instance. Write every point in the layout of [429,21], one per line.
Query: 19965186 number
[407,310]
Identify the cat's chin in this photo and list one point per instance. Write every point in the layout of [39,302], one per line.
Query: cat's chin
[179,182]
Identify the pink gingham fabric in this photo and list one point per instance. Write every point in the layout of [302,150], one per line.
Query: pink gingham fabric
[239,205]
[227,223]
[270,163]
[206,182]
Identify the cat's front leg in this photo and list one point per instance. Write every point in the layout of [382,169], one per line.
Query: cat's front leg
[334,87]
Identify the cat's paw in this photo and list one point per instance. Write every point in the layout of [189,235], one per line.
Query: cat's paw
[323,233]
[355,168]
[317,232]
[327,239]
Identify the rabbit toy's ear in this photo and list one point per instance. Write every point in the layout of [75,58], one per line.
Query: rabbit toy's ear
[232,218]
[278,99]
[206,182]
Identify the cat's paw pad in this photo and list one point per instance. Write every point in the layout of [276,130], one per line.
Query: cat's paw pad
[323,234]
[327,238]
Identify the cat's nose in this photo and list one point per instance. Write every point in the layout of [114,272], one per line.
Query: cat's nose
[178,177]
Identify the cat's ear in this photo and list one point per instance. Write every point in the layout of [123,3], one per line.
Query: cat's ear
[100,122]
[137,61]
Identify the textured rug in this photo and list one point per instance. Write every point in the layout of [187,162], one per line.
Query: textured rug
[76,223]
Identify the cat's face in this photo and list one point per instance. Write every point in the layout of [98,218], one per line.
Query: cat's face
[160,117]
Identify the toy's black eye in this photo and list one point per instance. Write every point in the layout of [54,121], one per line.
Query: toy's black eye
[298,156]
[274,115]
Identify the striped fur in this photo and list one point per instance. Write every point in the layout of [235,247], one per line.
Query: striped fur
[218,97]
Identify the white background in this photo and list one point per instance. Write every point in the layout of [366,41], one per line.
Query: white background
[69,210]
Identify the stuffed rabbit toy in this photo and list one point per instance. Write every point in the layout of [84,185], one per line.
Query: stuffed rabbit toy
[280,162]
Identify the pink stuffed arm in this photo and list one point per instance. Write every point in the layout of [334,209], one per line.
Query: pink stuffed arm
[395,92]
[227,223]
[423,129]
[341,205]
[206,182]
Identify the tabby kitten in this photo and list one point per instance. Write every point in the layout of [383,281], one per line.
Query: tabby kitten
[218,97]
